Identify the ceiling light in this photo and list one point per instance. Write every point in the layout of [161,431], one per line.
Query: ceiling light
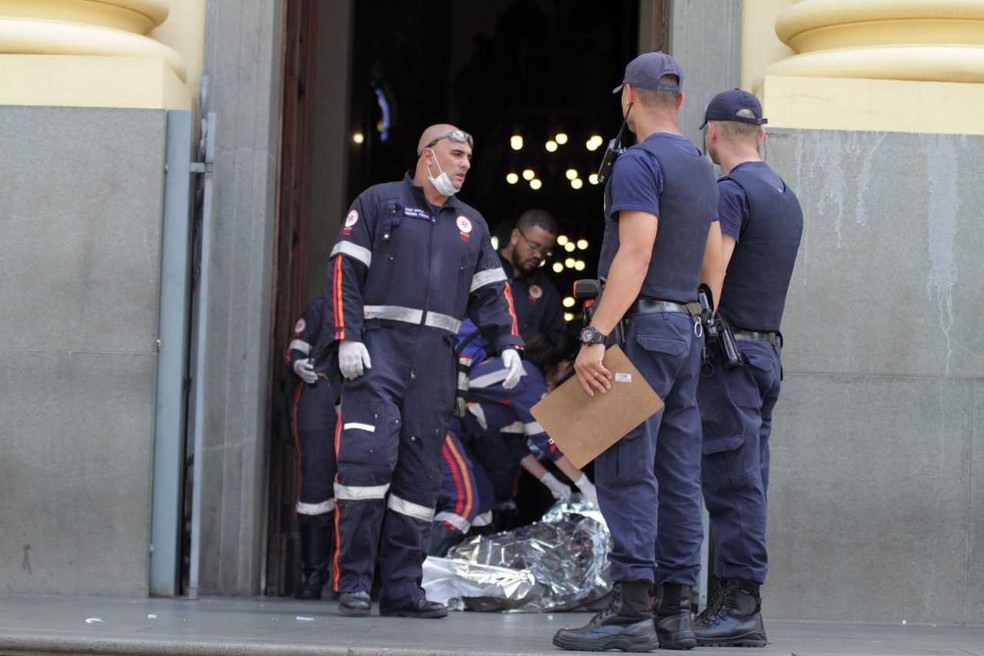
[512,178]
[558,267]
[571,174]
[579,265]
[593,178]
[562,239]
[577,183]
[358,137]
[582,244]
[535,184]
[551,146]
[561,138]
[528,174]
[516,142]
[569,247]
[569,301]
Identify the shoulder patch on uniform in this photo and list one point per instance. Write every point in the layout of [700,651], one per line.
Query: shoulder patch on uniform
[536,291]
[351,219]
[300,326]
[464,224]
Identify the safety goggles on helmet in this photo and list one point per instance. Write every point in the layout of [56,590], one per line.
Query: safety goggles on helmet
[457,136]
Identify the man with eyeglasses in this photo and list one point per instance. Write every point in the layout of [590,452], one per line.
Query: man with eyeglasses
[411,262]
[538,306]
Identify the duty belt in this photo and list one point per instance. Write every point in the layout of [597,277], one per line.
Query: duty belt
[774,338]
[655,306]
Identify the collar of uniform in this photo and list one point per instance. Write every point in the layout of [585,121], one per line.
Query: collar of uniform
[418,191]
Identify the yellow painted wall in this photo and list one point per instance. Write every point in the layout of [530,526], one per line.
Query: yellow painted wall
[891,65]
[111,53]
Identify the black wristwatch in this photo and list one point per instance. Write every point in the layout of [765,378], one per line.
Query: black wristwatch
[591,335]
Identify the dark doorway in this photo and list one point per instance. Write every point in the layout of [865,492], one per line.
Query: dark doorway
[498,69]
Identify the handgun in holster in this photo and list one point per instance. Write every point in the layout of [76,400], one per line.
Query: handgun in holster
[588,290]
[719,336]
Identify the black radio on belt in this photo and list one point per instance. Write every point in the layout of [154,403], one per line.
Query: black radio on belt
[588,290]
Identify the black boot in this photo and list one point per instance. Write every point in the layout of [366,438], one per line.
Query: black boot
[672,617]
[734,617]
[626,624]
[315,554]
[443,537]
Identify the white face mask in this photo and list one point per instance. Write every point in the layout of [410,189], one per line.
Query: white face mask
[442,182]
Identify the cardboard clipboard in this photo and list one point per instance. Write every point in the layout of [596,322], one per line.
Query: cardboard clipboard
[582,426]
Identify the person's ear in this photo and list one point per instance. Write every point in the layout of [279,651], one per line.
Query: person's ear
[514,237]
[680,99]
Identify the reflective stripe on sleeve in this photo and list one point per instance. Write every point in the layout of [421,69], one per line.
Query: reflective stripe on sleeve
[478,412]
[487,277]
[315,508]
[515,428]
[489,379]
[360,492]
[533,428]
[457,521]
[300,345]
[354,251]
[410,509]
[369,428]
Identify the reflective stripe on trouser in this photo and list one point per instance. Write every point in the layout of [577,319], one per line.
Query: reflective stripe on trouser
[392,424]
[312,423]
[459,501]
[736,411]
[664,448]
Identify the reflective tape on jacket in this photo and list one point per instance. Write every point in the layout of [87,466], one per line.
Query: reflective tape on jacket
[299,345]
[487,277]
[478,412]
[410,509]
[354,251]
[354,425]
[457,521]
[315,508]
[412,316]
[515,428]
[482,520]
[360,492]
[489,379]
[533,428]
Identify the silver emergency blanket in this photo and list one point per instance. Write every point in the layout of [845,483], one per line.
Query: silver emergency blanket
[565,555]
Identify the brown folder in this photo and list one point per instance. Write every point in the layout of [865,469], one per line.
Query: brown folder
[582,426]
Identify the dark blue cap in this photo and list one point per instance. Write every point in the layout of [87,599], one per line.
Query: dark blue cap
[726,105]
[644,72]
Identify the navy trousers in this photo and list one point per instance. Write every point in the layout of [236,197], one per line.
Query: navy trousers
[392,424]
[649,481]
[736,410]
[312,422]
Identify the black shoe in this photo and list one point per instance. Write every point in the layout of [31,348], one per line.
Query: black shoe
[671,615]
[315,538]
[354,604]
[418,609]
[626,624]
[734,617]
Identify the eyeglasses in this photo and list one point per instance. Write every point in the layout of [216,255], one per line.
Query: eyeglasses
[457,136]
[536,247]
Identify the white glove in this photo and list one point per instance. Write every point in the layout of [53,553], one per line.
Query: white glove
[587,488]
[557,489]
[305,370]
[352,357]
[514,363]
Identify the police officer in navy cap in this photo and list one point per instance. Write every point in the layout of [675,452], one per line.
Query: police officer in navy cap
[762,223]
[661,240]
[411,262]
[538,306]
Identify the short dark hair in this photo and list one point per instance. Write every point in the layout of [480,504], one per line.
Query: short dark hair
[661,97]
[740,131]
[537,219]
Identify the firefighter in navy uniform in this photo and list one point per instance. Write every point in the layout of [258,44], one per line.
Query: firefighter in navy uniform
[411,262]
[762,223]
[661,239]
[312,425]
[538,306]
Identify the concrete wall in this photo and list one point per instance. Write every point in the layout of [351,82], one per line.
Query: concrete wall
[81,193]
[705,38]
[243,59]
[877,494]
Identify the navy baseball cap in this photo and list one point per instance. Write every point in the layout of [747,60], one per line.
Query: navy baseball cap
[726,105]
[644,72]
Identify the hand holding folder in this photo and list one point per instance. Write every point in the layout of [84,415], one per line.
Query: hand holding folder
[582,426]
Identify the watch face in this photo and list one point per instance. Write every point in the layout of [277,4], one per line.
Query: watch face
[591,336]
